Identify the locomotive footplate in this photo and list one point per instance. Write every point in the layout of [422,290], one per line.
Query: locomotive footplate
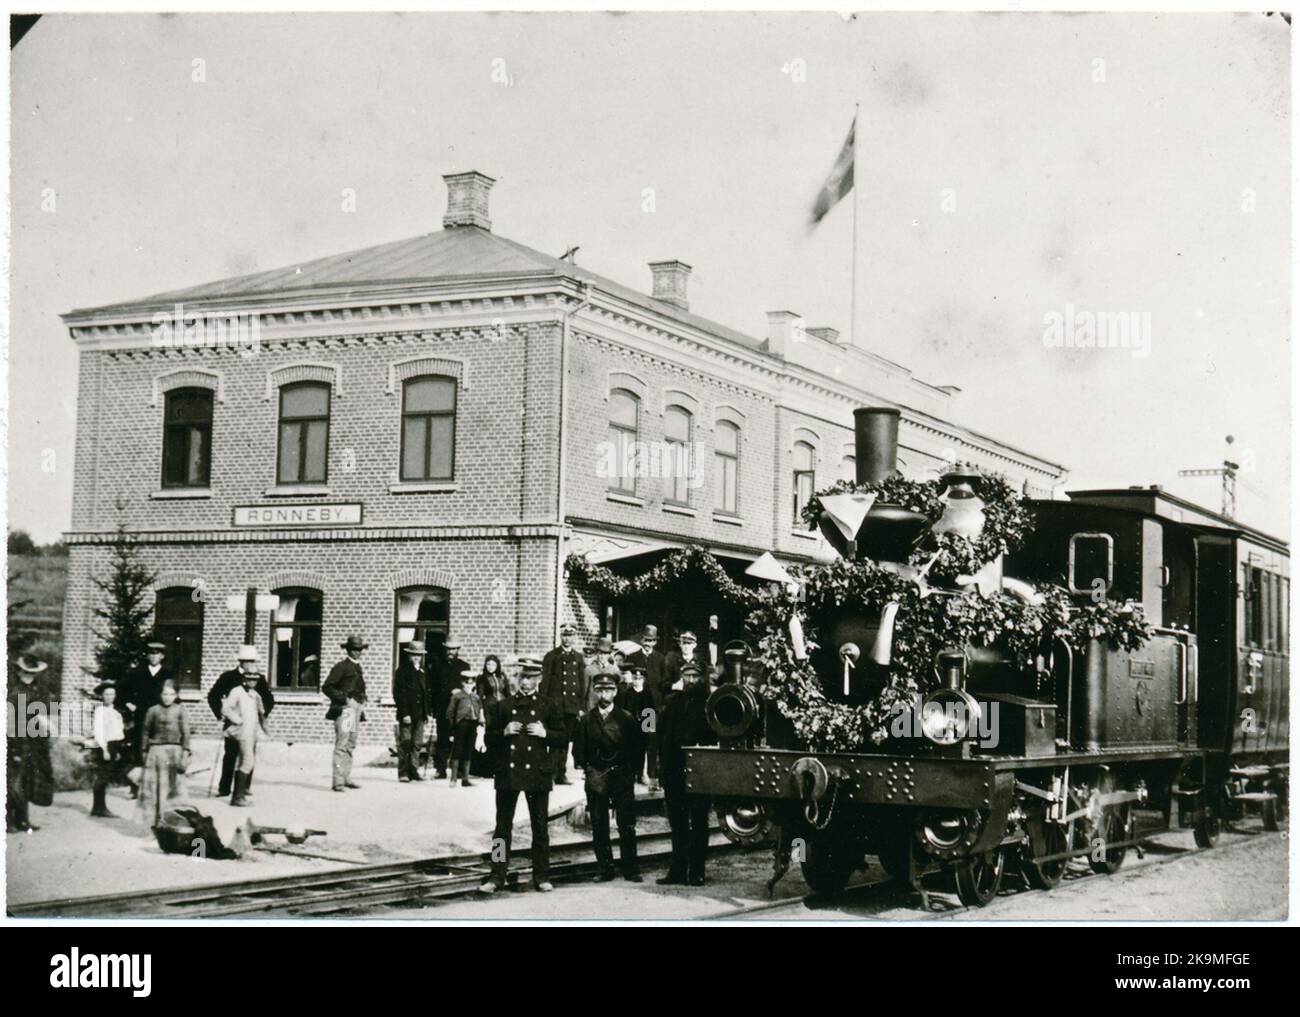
[867,780]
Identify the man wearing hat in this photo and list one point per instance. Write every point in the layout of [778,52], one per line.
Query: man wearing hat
[29,772]
[141,689]
[527,729]
[346,689]
[653,664]
[226,683]
[564,679]
[444,679]
[603,661]
[605,747]
[411,696]
[682,723]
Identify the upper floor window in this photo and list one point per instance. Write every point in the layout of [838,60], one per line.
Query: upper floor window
[805,475]
[677,438]
[295,637]
[624,414]
[726,466]
[429,428]
[187,438]
[178,622]
[304,433]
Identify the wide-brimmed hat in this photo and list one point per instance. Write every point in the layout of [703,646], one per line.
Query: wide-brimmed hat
[604,645]
[311,658]
[650,632]
[451,644]
[31,665]
[99,689]
[247,652]
[468,672]
[415,647]
[354,643]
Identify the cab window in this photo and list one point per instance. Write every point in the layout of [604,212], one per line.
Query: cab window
[1092,562]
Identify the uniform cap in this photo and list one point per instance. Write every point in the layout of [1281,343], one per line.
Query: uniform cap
[605,680]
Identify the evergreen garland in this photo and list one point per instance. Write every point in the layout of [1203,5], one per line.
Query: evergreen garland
[673,567]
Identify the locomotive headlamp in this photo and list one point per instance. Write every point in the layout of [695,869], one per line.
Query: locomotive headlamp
[948,716]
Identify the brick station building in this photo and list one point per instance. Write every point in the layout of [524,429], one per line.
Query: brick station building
[408,440]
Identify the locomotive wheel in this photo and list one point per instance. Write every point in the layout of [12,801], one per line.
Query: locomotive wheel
[1206,830]
[828,863]
[1114,828]
[1047,839]
[979,877]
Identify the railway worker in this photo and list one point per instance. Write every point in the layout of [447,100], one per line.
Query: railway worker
[605,747]
[30,776]
[564,679]
[601,662]
[635,699]
[243,708]
[529,729]
[411,697]
[165,740]
[346,689]
[106,744]
[684,723]
[652,664]
[686,651]
[444,679]
[141,689]
[247,658]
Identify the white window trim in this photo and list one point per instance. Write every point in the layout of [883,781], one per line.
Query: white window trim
[188,377]
[400,371]
[288,374]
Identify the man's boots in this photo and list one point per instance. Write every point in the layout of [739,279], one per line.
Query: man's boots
[100,807]
[240,796]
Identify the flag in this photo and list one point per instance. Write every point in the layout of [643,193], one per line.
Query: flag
[840,181]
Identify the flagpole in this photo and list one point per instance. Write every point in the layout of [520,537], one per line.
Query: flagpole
[853,280]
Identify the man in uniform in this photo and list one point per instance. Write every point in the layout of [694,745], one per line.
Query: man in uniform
[684,723]
[603,661]
[411,697]
[346,689]
[564,679]
[141,689]
[528,728]
[226,681]
[444,679]
[652,663]
[686,651]
[605,748]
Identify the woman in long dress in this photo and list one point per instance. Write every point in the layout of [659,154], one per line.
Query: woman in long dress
[165,745]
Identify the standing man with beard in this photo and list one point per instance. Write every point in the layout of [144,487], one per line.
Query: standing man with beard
[683,723]
[564,680]
[411,697]
[605,747]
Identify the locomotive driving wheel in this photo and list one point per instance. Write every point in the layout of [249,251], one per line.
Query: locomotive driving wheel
[828,862]
[979,877]
[1046,838]
[1112,829]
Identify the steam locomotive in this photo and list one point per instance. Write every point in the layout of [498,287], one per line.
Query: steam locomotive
[1093,751]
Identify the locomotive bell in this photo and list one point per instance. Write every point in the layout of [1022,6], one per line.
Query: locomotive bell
[963,513]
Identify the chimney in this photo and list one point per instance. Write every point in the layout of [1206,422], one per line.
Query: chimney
[825,333]
[783,328]
[467,200]
[670,282]
[875,433]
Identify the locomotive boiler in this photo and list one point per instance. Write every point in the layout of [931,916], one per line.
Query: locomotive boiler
[1001,765]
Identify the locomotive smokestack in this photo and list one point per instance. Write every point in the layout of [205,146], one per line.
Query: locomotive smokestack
[875,439]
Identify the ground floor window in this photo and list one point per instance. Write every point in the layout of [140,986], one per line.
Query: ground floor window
[423,613]
[178,621]
[295,637]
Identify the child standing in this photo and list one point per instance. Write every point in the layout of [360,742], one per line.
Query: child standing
[165,745]
[465,718]
[106,745]
[246,714]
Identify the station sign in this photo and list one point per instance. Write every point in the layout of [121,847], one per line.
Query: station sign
[298,514]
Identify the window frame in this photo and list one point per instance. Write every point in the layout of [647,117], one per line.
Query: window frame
[1110,560]
[616,429]
[163,627]
[303,429]
[810,473]
[725,457]
[427,416]
[169,398]
[441,627]
[272,656]
[671,445]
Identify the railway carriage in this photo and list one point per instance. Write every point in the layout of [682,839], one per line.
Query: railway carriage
[1090,751]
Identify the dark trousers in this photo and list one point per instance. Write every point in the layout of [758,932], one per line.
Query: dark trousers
[688,818]
[409,739]
[463,748]
[622,798]
[538,803]
[562,753]
[229,760]
[442,747]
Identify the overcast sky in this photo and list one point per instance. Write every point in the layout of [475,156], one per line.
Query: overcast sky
[1009,165]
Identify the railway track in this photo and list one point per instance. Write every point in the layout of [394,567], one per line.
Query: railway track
[357,888]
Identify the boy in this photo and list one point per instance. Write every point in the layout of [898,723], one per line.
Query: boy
[465,720]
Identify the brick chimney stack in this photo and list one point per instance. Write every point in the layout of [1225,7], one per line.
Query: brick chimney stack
[670,282]
[783,329]
[467,200]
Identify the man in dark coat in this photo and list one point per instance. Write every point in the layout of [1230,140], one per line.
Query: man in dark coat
[225,682]
[346,690]
[444,679]
[30,776]
[141,689]
[564,680]
[686,651]
[684,723]
[634,699]
[528,729]
[411,696]
[653,663]
[605,747]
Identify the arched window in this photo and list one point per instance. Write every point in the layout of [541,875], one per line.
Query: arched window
[178,623]
[295,636]
[429,428]
[624,419]
[304,433]
[423,613]
[187,438]
[805,476]
[849,468]
[726,467]
[677,438]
